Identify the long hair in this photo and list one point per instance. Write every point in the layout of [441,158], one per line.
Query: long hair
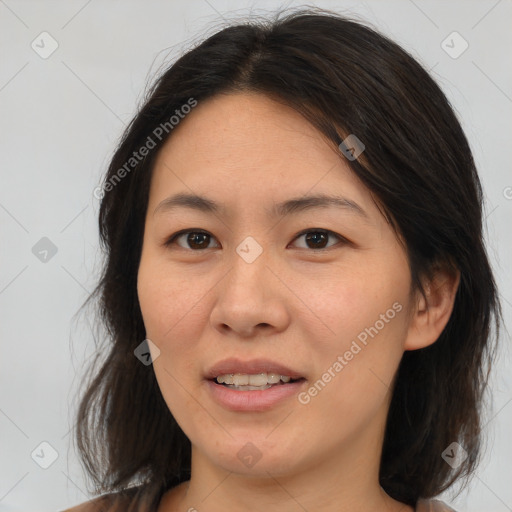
[345,78]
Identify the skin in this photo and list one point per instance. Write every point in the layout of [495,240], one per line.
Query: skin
[296,304]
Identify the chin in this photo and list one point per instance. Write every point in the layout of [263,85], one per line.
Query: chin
[257,458]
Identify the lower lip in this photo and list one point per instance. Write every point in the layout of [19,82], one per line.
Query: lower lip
[259,400]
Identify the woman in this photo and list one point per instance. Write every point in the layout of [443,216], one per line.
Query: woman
[296,287]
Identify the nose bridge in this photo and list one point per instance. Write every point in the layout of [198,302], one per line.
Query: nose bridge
[249,263]
[243,300]
[250,250]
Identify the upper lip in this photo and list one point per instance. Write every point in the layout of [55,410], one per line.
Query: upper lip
[252,367]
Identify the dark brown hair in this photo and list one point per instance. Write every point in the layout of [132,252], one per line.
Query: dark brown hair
[345,78]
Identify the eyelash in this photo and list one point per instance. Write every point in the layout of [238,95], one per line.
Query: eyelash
[171,240]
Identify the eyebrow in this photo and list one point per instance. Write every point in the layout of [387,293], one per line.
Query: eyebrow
[285,208]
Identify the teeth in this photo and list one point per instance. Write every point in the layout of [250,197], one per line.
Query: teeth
[254,380]
[258,380]
[274,378]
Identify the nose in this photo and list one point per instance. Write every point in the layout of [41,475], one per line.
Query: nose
[250,301]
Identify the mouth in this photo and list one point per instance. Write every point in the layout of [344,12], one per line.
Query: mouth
[255,385]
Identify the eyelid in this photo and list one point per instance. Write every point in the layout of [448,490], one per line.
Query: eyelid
[342,240]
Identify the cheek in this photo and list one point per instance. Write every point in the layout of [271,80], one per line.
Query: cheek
[168,301]
[354,296]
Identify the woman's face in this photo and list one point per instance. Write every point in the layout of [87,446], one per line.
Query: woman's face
[311,290]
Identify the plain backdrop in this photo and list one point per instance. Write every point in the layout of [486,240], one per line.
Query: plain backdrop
[62,114]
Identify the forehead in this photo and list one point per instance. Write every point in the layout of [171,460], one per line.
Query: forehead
[248,148]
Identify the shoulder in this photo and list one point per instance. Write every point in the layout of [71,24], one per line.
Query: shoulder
[433,506]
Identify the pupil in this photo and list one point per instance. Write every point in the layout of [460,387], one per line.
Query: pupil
[314,236]
[193,236]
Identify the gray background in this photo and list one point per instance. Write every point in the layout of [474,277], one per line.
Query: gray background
[61,117]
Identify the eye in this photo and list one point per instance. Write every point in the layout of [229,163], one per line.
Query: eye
[198,239]
[318,237]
